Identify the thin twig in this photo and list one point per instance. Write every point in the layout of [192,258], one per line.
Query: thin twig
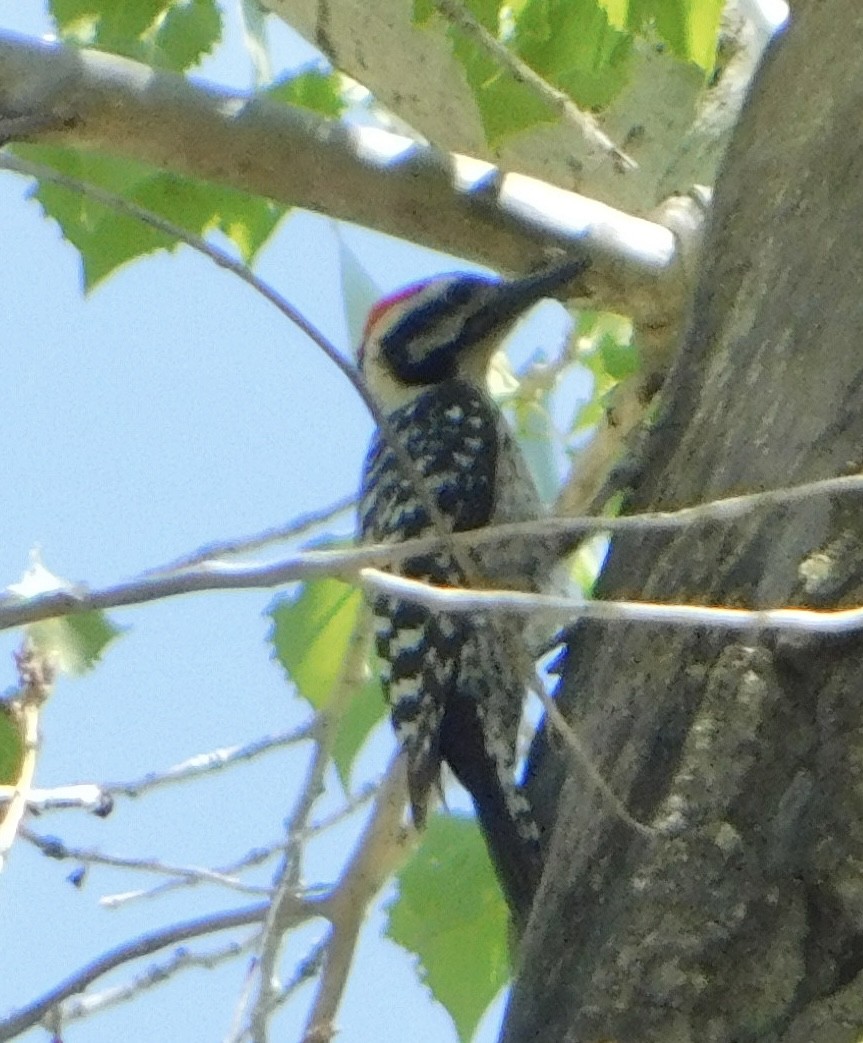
[219,257]
[255,857]
[36,675]
[182,959]
[26,1017]
[309,967]
[556,99]
[222,259]
[288,877]
[456,599]
[53,847]
[379,851]
[85,796]
[210,763]
[243,545]
[312,564]
[363,795]
[584,761]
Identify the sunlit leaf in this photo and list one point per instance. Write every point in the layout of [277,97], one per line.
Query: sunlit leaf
[169,34]
[505,105]
[364,710]
[311,634]
[689,27]
[619,359]
[450,913]
[573,45]
[74,643]
[188,31]
[312,89]
[107,239]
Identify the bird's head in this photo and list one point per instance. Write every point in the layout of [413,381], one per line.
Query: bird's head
[447,327]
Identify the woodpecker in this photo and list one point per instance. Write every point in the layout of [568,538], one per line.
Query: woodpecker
[455,683]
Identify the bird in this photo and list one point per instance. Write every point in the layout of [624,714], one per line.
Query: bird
[456,683]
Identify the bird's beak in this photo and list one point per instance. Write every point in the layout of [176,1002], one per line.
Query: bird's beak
[508,299]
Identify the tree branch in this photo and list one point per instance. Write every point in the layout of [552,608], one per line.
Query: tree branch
[87,99]
[181,959]
[210,763]
[379,851]
[409,64]
[155,584]
[24,1018]
[36,673]
[457,599]
[53,847]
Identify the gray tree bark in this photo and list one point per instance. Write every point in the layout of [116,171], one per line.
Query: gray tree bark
[742,917]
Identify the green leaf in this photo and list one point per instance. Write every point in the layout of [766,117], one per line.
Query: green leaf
[486,12]
[11,748]
[570,43]
[689,27]
[619,359]
[588,415]
[506,106]
[107,239]
[74,643]
[248,221]
[422,11]
[170,34]
[364,710]
[311,634]
[573,45]
[187,33]
[107,23]
[450,913]
[310,89]
[703,31]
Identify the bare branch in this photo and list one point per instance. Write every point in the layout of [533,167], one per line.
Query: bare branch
[53,847]
[288,877]
[365,175]
[36,676]
[383,845]
[280,533]
[74,1009]
[26,1017]
[309,967]
[82,797]
[346,564]
[583,761]
[255,857]
[210,763]
[454,599]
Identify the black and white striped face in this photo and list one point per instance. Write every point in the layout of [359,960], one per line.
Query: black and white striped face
[426,334]
[445,328]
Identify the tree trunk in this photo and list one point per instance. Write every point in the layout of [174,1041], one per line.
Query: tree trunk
[741,918]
